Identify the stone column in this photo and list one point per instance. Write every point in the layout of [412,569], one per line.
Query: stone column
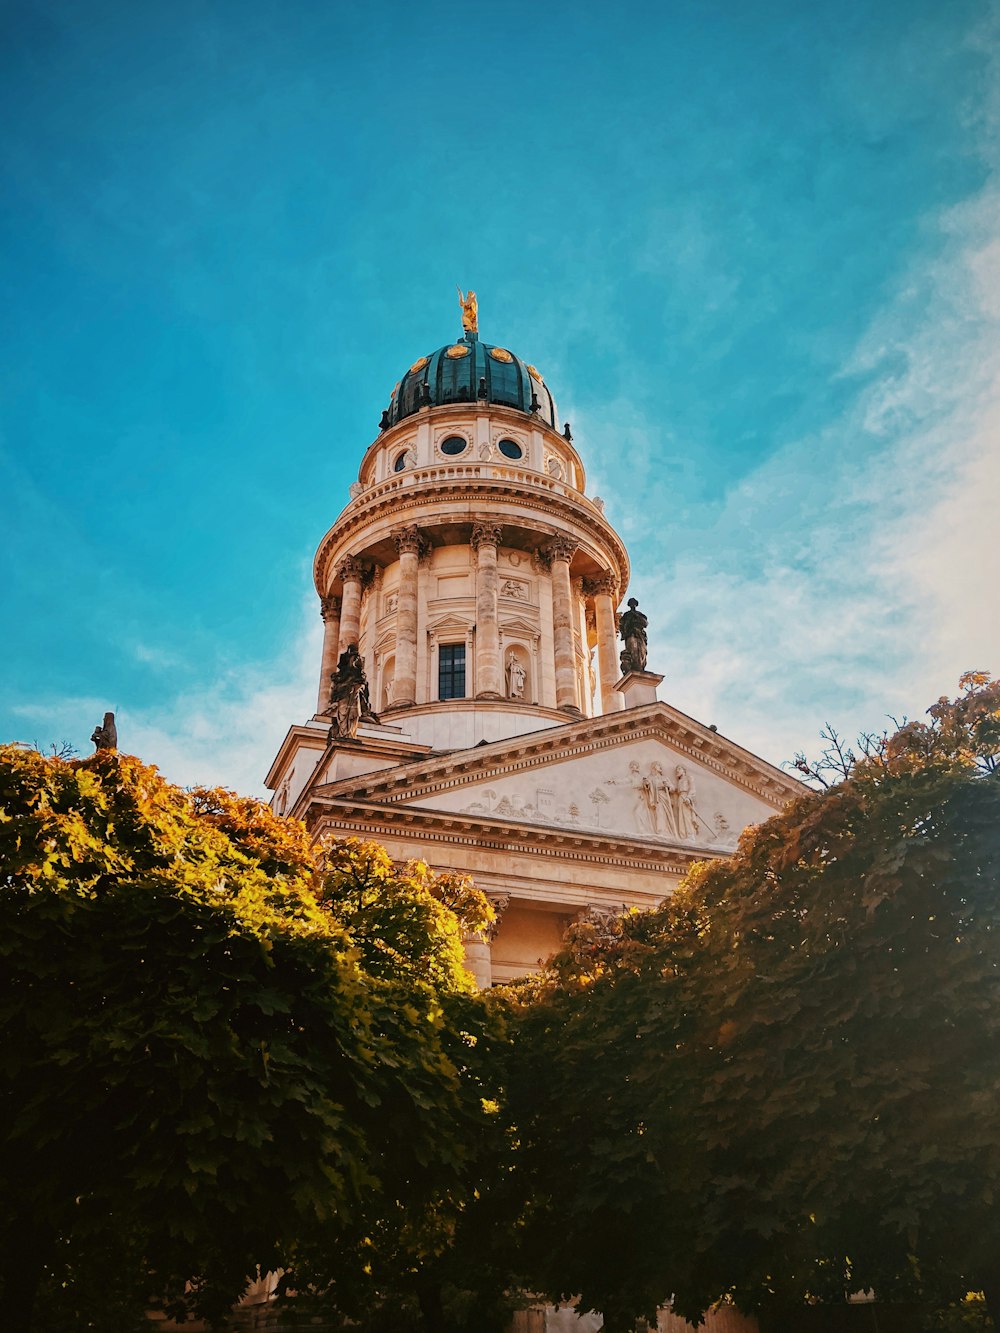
[330,611]
[477,959]
[350,572]
[479,944]
[605,593]
[408,544]
[489,667]
[560,550]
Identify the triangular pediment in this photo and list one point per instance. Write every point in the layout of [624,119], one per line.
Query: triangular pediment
[518,625]
[651,774]
[449,624]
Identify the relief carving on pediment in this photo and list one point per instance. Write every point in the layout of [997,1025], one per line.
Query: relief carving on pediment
[657,804]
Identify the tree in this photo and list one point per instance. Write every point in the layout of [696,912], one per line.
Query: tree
[849,979]
[207,1056]
[421,1251]
[781,1086]
[592,1090]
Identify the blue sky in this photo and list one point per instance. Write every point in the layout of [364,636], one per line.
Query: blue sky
[754,248]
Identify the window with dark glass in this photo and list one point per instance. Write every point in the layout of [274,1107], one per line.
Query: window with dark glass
[510,449]
[505,383]
[453,445]
[455,379]
[451,671]
[409,398]
[400,462]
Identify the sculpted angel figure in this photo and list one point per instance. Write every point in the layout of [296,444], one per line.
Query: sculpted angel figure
[470,311]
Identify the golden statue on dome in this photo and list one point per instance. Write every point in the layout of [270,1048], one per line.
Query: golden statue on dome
[470,311]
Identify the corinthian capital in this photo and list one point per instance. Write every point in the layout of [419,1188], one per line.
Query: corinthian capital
[486,532]
[350,570]
[329,608]
[605,585]
[408,540]
[562,548]
[500,902]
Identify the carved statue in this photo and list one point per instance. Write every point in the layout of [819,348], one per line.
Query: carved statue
[666,821]
[645,798]
[688,822]
[632,629]
[105,737]
[470,311]
[349,700]
[515,677]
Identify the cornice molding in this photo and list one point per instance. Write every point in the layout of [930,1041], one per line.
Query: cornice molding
[535,749]
[342,815]
[442,497]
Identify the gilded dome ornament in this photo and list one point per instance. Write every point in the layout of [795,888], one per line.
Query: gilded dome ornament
[470,311]
[419,364]
[500,354]
[456,351]
[535,374]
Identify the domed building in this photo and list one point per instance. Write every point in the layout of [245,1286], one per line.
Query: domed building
[473,710]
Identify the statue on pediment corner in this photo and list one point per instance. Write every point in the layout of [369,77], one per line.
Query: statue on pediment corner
[105,736]
[632,628]
[349,698]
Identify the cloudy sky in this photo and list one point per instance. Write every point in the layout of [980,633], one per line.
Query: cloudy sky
[754,248]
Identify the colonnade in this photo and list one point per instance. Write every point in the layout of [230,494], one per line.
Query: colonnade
[342,620]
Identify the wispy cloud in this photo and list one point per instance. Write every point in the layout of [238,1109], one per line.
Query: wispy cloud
[225,733]
[852,574]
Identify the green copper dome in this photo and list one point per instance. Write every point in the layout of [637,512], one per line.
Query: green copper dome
[470,371]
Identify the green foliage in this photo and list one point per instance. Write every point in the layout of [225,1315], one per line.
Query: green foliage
[421,1251]
[782,1085]
[212,1049]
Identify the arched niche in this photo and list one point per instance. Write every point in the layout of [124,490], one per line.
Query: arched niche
[517,671]
[387,681]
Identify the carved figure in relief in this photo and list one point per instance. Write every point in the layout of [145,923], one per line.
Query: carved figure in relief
[105,736]
[645,806]
[688,822]
[666,820]
[515,677]
[632,628]
[513,589]
[349,700]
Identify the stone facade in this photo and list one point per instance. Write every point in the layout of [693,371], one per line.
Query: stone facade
[481,590]
[481,586]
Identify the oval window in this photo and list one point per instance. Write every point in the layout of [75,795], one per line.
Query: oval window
[510,449]
[400,462]
[453,445]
